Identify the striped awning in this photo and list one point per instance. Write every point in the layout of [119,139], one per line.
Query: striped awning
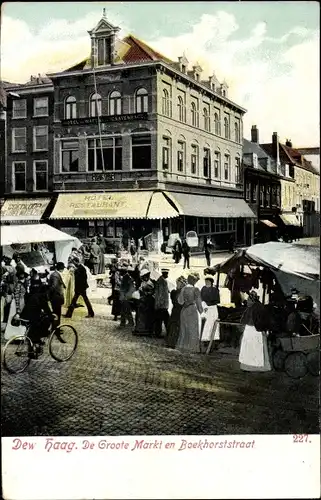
[268,223]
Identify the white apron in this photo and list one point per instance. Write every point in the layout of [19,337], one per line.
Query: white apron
[254,354]
[12,331]
[211,316]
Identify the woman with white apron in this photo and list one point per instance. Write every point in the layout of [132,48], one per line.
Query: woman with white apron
[254,354]
[210,296]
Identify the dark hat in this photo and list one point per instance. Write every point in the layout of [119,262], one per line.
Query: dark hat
[164,270]
[209,278]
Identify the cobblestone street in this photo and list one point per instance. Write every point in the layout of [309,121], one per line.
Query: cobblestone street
[118,384]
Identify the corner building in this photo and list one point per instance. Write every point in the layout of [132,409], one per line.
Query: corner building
[143,144]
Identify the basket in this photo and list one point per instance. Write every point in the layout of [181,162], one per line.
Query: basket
[308,343]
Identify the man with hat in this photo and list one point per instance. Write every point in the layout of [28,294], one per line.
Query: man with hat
[81,285]
[161,303]
[56,290]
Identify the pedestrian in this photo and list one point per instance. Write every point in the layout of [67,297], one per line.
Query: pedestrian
[210,296]
[127,288]
[133,249]
[33,282]
[101,264]
[9,279]
[16,306]
[161,303]
[207,250]
[94,258]
[112,270]
[20,268]
[177,251]
[81,286]
[174,320]
[231,244]
[186,253]
[116,305]
[146,305]
[190,320]
[56,290]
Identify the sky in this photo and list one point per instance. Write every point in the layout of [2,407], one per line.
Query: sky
[267,52]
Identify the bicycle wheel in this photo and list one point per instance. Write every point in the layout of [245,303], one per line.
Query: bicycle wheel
[295,365]
[16,354]
[63,342]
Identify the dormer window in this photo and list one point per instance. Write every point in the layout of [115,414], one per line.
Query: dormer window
[197,77]
[183,68]
[103,43]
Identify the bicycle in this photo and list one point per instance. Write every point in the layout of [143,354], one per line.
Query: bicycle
[62,344]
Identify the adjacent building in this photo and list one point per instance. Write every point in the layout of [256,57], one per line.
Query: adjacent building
[301,199]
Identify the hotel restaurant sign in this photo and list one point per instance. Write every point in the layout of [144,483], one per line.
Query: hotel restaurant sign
[106,119]
[23,210]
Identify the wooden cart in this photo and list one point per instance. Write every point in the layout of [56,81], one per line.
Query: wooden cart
[297,355]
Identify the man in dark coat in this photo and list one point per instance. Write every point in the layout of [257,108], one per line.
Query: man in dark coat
[56,290]
[161,303]
[81,285]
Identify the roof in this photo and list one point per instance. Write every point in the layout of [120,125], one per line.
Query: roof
[253,147]
[290,155]
[36,233]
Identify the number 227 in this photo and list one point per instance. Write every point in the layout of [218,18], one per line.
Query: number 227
[300,438]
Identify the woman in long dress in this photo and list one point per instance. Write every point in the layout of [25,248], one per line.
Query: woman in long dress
[145,315]
[174,320]
[254,355]
[16,306]
[210,296]
[190,320]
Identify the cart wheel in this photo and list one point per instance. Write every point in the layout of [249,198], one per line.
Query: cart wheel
[313,362]
[278,358]
[295,365]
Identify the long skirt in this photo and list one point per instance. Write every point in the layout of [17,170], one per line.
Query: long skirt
[101,264]
[116,307]
[12,331]
[190,328]
[254,355]
[210,318]
[145,315]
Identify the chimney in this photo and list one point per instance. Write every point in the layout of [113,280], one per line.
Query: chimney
[288,143]
[276,150]
[254,134]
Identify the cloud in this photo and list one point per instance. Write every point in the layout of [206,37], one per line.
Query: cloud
[275,78]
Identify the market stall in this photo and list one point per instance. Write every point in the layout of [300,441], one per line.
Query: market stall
[288,279]
[35,239]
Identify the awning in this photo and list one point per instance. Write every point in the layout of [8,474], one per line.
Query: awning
[290,220]
[268,223]
[30,209]
[211,206]
[35,233]
[160,207]
[129,205]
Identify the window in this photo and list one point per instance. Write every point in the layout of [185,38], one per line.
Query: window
[115,103]
[104,51]
[261,196]
[40,106]
[206,162]
[217,124]
[238,179]
[70,108]
[181,109]
[206,118]
[181,156]
[19,140]
[166,153]
[254,192]
[19,108]
[194,113]
[227,160]
[69,156]
[40,138]
[166,104]
[217,164]
[248,191]
[19,175]
[141,101]
[105,154]
[194,159]
[203,225]
[226,128]
[278,196]
[274,197]
[237,132]
[141,151]
[40,175]
[95,105]
[268,196]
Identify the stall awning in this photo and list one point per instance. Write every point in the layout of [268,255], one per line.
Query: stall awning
[124,205]
[31,209]
[268,223]
[35,233]
[289,220]
[160,207]
[211,206]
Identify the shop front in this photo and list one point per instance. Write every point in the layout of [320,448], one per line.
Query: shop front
[118,216]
